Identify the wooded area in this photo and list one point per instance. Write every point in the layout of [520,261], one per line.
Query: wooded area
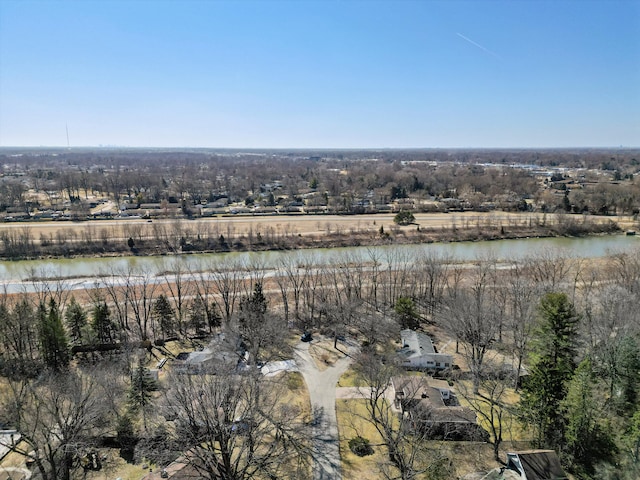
[520,327]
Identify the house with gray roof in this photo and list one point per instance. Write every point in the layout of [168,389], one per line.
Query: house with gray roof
[418,352]
[434,411]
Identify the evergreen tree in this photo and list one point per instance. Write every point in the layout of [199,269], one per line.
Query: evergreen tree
[164,316]
[141,391]
[103,327]
[214,319]
[76,321]
[631,444]
[587,442]
[404,218]
[53,343]
[256,328]
[19,340]
[551,368]
[405,309]
[202,315]
[252,310]
[197,314]
[255,304]
[617,359]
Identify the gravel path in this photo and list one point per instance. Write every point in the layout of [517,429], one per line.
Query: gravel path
[322,394]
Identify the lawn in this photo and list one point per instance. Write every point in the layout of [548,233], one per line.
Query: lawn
[462,457]
[351,423]
[513,430]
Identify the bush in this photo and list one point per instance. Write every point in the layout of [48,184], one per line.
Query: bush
[360,446]
[404,218]
[295,381]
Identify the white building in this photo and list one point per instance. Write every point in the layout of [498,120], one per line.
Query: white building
[418,352]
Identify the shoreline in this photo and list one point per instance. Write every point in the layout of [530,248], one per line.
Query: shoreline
[290,234]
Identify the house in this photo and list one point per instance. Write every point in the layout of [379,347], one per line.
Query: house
[536,465]
[183,468]
[223,352]
[417,351]
[435,410]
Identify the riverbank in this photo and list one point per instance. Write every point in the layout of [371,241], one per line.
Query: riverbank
[241,234]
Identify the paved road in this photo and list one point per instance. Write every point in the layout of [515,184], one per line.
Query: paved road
[322,393]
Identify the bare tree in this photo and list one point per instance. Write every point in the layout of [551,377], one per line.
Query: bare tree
[433,271]
[237,427]
[294,277]
[491,403]
[522,298]
[58,417]
[140,295]
[177,281]
[550,270]
[472,318]
[49,285]
[313,294]
[204,301]
[18,338]
[261,329]
[227,278]
[116,285]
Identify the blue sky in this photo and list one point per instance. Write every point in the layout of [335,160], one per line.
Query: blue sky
[332,74]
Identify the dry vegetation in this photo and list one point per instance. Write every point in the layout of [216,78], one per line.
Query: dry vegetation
[356,299]
[232,201]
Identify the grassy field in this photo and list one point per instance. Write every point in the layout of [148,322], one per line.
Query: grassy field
[288,225]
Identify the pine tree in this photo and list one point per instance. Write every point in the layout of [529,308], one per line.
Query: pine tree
[405,309]
[102,325]
[202,315]
[586,440]
[253,322]
[623,368]
[552,366]
[76,321]
[53,343]
[197,315]
[165,316]
[141,391]
[253,309]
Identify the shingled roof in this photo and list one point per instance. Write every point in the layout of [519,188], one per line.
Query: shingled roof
[536,465]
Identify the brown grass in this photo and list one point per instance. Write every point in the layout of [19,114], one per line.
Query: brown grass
[324,354]
[351,423]
[293,225]
[465,457]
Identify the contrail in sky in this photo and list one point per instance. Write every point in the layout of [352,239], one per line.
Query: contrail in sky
[486,50]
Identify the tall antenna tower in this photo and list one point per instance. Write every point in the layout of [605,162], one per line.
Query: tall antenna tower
[67,127]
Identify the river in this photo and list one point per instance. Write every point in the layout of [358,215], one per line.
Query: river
[15,275]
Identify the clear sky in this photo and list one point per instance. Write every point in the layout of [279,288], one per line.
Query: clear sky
[333,74]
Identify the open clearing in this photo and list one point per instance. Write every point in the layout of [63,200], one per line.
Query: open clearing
[287,225]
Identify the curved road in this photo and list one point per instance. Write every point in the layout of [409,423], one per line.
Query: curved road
[322,394]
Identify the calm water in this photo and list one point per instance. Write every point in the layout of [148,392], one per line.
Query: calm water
[12,273]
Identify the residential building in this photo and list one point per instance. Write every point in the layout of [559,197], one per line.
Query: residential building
[418,352]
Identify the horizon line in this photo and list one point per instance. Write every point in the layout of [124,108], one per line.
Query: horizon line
[107,147]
